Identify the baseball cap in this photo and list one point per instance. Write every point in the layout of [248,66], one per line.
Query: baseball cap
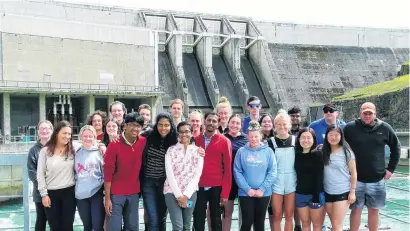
[368,107]
[330,106]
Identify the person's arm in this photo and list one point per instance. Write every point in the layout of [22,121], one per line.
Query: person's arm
[271,172]
[110,159]
[353,180]
[32,166]
[239,172]
[227,169]
[41,172]
[395,150]
[193,184]
[170,174]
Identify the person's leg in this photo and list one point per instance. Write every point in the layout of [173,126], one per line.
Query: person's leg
[214,198]
[270,213]
[208,218]
[161,206]
[317,217]
[329,209]
[247,204]
[260,207]
[289,208]
[187,214]
[305,218]
[149,195]
[375,199]
[277,204]
[84,210]
[41,218]
[68,205]
[227,218]
[54,213]
[97,211]
[114,221]
[131,219]
[339,210]
[298,226]
[200,210]
[175,212]
[357,206]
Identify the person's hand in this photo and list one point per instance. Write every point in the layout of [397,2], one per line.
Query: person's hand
[115,138]
[388,175]
[108,206]
[182,201]
[46,201]
[352,197]
[201,152]
[223,201]
[251,192]
[102,148]
[258,193]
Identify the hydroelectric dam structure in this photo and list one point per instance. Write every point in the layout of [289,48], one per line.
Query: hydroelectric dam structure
[63,60]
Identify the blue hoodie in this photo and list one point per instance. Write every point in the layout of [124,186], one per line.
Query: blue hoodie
[89,172]
[320,127]
[255,169]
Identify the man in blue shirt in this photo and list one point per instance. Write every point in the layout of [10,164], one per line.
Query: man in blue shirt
[254,106]
[330,114]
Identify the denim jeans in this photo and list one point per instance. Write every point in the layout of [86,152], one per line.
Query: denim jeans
[92,212]
[180,217]
[124,207]
[154,203]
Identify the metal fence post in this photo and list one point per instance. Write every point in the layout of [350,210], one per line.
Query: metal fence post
[26,200]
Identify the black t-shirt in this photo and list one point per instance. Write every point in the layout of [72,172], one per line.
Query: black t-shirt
[309,173]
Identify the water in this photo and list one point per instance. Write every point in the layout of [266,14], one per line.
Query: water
[11,213]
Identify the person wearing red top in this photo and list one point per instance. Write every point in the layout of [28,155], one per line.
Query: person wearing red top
[123,160]
[98,119]
[216,179]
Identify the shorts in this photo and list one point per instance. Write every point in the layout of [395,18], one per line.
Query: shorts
[285,183]
[331,198]
[303,200]
[373,195]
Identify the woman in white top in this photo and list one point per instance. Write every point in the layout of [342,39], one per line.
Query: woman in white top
[183,167]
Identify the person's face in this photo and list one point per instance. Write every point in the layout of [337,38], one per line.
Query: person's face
[235,125]
[254,138]
[164,127]
[211,123]
[333,137]
[176,110]
[281,126]
[44,131]
[96,122]
[224,114]
[330,114]
[117,112]
[254,107]
[295,118]
[64,136]
[112,128]
[133,129]
[184,134]
[195,121]
[146,114]
[306,140]
[267,124]
[88,138]
[368,117]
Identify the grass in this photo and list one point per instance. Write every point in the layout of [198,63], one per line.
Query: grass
[393,85]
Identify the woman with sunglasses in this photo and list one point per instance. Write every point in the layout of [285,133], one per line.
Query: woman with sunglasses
[183,167]
[255,172]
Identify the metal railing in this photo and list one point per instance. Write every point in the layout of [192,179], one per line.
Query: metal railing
[21,160]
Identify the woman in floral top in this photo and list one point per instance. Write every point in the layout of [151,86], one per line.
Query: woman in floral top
[183,167]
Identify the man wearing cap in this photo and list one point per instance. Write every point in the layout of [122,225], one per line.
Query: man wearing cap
[367,136]
[330,114]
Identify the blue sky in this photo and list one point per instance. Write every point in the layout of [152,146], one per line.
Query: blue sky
[367,13]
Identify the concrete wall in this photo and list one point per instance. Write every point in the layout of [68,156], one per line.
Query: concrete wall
[24,111]
[333,35]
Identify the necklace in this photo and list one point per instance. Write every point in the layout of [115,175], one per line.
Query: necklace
[283,140]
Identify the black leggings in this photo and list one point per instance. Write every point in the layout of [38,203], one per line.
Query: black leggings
[60,215]
[253,212]
[41,219]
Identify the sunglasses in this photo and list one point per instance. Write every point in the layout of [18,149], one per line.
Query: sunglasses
[254,105]
[326,110]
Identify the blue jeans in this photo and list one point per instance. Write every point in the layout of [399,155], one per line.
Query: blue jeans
[124,207]
[371,195]
[92,212]
[154,203]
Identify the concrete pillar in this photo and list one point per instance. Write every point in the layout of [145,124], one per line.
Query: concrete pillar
[111,100]
[155,102]
[6,117]
[91,104]
[42,106]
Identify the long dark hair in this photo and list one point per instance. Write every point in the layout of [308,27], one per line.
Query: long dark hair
[298,147]
[154,138]
[271,133]
[52,143]
[326,150]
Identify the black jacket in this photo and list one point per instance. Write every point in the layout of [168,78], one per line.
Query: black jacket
[368,144]
[32,169]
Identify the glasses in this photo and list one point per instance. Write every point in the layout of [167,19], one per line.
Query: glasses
[254,105]
[186,132]
[327,110]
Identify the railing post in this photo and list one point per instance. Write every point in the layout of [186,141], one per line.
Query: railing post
[26,202]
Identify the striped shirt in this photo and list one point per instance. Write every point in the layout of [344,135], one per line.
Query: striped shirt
[155,162]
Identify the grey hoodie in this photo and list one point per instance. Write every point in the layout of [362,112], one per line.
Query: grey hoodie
[89,172]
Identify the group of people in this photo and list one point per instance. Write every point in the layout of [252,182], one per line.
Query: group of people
[196,168]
